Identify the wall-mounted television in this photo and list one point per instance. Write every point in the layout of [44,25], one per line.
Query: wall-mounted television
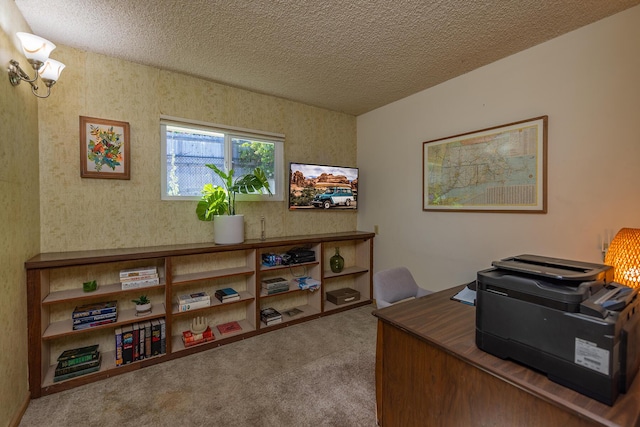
[322,187]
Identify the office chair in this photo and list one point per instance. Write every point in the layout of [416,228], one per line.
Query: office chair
[395,285]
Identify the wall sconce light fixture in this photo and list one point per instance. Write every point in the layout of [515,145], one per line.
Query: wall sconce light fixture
[624,255]
[37,51]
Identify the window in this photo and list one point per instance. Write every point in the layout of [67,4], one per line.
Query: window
[188,146]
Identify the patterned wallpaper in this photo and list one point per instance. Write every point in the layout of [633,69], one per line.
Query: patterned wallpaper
[19,218]
[82,213]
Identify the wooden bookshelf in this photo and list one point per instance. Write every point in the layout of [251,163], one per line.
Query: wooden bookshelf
[54,288]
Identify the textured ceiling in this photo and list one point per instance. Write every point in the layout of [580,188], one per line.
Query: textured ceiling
[346,55]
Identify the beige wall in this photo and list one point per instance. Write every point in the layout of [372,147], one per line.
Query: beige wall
[19,217]
[85,213]
[587,82]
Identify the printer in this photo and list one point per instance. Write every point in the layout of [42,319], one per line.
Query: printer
[567,319]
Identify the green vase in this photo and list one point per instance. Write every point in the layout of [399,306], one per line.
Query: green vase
[336,262]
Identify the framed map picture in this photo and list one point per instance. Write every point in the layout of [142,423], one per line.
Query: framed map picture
[499,169]
[104,148]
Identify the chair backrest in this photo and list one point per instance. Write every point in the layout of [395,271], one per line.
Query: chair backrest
[393,285]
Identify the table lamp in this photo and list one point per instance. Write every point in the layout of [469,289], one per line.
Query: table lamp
[624,255]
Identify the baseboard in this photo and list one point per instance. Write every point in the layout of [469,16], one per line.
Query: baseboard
[17,417]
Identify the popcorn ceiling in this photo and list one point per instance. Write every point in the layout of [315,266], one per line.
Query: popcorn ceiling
[349,56]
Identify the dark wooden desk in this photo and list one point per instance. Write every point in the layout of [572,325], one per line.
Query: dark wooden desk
[429,372]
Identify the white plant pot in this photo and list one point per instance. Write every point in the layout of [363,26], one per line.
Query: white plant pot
[228,229]
[143,307]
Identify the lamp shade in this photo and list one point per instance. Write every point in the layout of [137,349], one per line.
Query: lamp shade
[50,71]
[624,255]
[35,48]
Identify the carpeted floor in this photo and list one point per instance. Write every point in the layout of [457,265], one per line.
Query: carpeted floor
[317,373]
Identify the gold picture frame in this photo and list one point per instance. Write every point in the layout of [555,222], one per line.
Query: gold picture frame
[104,149]
[498,169]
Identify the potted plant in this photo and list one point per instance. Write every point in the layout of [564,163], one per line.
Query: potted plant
[142,303]
[218,203]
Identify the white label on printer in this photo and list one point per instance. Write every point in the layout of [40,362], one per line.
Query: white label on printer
[590,356]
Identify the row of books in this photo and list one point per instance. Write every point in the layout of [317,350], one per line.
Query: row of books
[140,341]
[188,302]
[143,277]
[76,362]
[90,315]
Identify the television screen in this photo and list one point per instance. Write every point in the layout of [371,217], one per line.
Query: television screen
[322,187]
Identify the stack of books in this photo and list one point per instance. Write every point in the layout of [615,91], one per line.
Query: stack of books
[190,339]
[275,285]
[140,340]
[90,315]
[270,316]
[227,294]
[192,301]
[143,277]
[78,361]
[229,327]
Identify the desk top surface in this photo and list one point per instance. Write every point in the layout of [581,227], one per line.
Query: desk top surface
[450,326]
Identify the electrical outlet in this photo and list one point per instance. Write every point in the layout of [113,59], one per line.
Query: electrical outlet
[375,229]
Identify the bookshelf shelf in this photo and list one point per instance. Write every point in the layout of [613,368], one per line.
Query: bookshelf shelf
[54,289]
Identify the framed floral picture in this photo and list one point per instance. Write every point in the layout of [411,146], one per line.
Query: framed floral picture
[104,149]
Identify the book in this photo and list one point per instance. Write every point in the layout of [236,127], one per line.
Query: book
[136,342]
[226,293]
[118,333]
[138,278]
[270,315]
[76,352]
[230,298]
[274,282]
[163,336]
[95,318]
[229,327]
[95,309]
[127,344]
[147,338]
[273,321]
[93,324]
[75,374]
[63,370]
[190,339]
[136,272]
[189,298]
[142,341]
[276,290]
[155,337]
[79,360]
[293,311]
[191,344]
[135,284]
[193,305]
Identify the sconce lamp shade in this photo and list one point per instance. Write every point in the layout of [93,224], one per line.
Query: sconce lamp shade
[35,48]
[624,255]
[50,71]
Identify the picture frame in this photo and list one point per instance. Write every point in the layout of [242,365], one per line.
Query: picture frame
[501,169]
[104,149]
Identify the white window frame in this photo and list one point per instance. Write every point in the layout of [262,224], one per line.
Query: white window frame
[229,133]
